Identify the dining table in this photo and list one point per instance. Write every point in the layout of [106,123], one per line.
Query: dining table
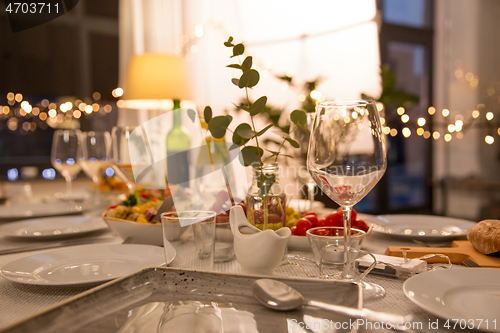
[20,301]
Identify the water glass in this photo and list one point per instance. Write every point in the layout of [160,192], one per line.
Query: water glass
[224,242]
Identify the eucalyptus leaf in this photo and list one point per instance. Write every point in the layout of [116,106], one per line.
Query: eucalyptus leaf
[264,130]
[218,126]
[298,117]
[230,39]
[237,139]
[228,44]
[249,79]
[238,49]
[234,66]
[236,82]
[191,114]
[207,114]
[294,143]
[230,118]
[250,155]
[247,64]
[246,133]
[258,106]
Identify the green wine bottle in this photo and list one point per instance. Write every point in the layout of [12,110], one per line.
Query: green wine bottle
[178,145]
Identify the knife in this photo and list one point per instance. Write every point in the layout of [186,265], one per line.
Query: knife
[168,203]
[50,245]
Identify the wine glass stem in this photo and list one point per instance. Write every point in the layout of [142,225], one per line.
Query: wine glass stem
[348,272]
[68,186]
[310,193]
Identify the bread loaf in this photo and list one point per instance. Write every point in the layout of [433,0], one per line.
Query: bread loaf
[485,236]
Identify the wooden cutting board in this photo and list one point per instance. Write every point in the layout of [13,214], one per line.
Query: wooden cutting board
[457,252]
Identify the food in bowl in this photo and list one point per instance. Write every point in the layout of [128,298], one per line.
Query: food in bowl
[327,243]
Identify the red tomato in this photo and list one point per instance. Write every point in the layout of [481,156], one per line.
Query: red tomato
[313,219]
[354,214]
[322,232]
[302,226]
[222,217]
[310,213]
[334,220]
[360,224]
[322,222]
[294,230]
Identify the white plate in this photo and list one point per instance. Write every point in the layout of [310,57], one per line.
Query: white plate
[52,227]
[84,265]
[26,210]
[420,226]
[463,295]
[302,205]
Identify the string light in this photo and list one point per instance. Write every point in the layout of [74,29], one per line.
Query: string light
[118,92]
[475,114]
[489,116]
[489,139]
[436,135]
[400,111]
[421,121]
[405,118]
[447,137]
[431,110]
[445,113]
[420,131]
[459,135]
[427,134]
[315,94]
[393,132]
[387,130]
[406,132]
[451,128]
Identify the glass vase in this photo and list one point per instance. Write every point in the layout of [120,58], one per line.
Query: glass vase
[266,200]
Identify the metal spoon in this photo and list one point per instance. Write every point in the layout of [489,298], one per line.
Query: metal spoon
[279,296]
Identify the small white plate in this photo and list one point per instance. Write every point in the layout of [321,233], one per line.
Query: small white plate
[420,226]
[467,297]
[26,210]
[84,265]
[52,227]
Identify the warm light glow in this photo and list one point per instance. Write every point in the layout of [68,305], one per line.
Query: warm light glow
[118,92]
[489,139]
[52,106]
[347,119]
[400,110]
[387,130]
[354,115]
[108,108]
[95,107]
[447,137]
[421,121]
[302,97]
[315,94]
[436,135]
[394,132]
[45,103]
[96,96]
[12,124]
[77,114]
[18,98]
[475,114]
[431,110]
[405,118]
[26,106]
[469,76]
[42,116]
[69,105]
[63,107]
[451,128]
[382,121]
[420,131]
[198,30]
[445,112]
[427,134]
[498,131]
[6,109]
[489,116]
[380,106]
[459,135]
[10,96]
[26,126]
[406,132]
[120,104]
[82,106]
[458,125]
[474,82]
[52,113]
[88,109]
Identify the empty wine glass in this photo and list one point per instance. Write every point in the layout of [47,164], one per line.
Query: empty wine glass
[346,158]
[93,157]
[302,134]
[64,155]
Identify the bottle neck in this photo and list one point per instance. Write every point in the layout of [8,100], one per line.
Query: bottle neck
[177,113]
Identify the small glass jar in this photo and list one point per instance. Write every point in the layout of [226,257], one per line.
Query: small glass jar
[266,200]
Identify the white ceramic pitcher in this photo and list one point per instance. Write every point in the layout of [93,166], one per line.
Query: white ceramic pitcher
[257,251]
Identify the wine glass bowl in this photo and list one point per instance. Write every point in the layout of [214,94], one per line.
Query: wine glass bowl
[120,154]
[94,156]
[346,158]
[64,155]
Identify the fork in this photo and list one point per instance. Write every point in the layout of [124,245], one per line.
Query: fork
[470,263]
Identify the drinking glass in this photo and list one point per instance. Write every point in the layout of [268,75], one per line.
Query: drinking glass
[302,134]
[120,154]
[346,158]
[94,153]
[64,155]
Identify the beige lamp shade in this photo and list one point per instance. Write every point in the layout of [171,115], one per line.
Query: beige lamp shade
[154,76]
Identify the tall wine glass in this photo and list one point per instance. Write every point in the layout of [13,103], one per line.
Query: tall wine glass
[346,158]
[95,150]
[64,155]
